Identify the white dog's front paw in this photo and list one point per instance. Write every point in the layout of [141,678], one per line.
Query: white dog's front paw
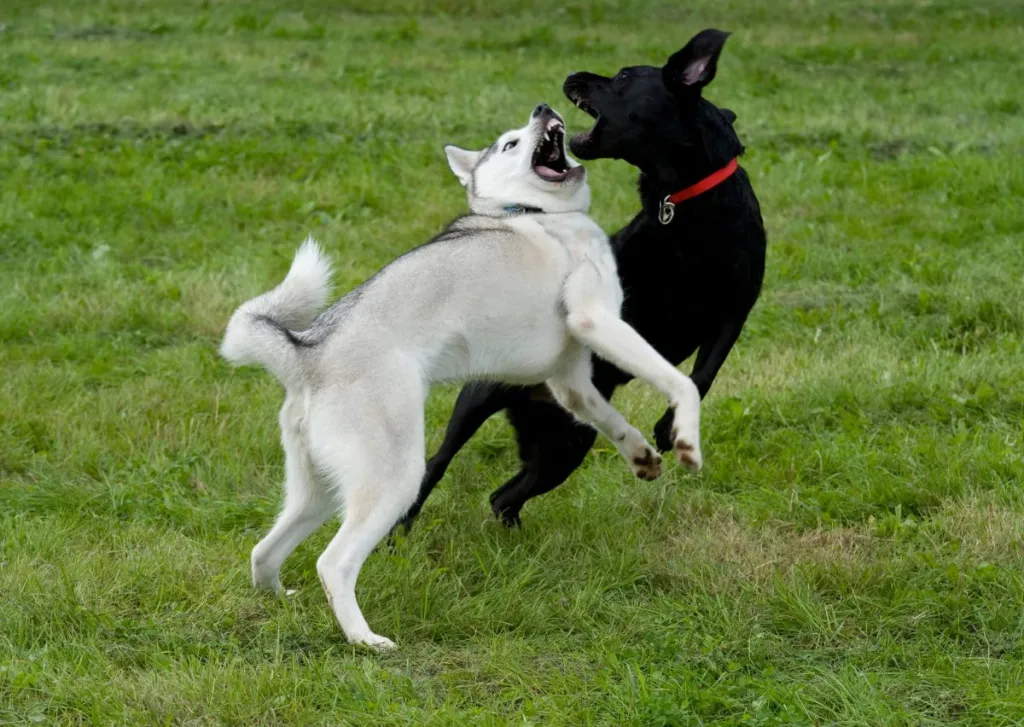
[646,463]
[642,458]
[688,453]
[686,441]
[374,641]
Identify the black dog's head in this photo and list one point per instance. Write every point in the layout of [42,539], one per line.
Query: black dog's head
[650,116]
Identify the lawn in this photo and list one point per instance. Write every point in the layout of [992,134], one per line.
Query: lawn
[851,554]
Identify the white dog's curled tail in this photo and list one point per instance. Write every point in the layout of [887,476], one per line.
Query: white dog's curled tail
[261,330]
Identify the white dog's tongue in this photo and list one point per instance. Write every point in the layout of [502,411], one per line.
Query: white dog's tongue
[547,172]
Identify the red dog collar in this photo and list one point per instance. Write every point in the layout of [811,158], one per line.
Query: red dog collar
[667,210]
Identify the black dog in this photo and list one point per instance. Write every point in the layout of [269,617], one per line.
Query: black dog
[691,272]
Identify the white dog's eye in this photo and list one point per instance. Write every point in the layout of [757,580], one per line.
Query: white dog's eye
[510,145]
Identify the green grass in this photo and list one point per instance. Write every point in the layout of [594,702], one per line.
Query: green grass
[852,553]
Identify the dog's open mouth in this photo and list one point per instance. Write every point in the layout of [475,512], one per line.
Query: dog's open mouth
[582,141]
[549,162]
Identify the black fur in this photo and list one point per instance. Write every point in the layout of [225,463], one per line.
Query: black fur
[283,330]
[689,285]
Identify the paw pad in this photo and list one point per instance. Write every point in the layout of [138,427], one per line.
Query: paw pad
[648,465]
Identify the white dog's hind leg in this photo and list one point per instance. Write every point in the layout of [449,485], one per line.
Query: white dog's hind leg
[307,504]
[379,463]
[576,392]
[371,509]
[616,341]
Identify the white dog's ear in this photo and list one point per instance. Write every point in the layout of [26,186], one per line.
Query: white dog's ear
[462,162]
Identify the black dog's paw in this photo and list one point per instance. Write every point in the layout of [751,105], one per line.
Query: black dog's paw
[390,545]
[405,523]
[663,431]
[508,516]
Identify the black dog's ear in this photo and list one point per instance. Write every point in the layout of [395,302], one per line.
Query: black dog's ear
[693,67]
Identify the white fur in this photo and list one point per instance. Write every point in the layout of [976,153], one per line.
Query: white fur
[509,177]
[522,299]
[292,304]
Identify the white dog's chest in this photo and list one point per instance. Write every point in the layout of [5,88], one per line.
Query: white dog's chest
[589,252]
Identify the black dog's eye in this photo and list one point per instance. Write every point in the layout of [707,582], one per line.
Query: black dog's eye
[509,145]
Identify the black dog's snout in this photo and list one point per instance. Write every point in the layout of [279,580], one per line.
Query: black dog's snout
[541,108]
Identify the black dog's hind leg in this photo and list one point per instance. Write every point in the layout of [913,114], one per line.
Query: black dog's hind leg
[477,402]
[710,358]
[552,444]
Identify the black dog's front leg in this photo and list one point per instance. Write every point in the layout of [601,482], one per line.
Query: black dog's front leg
[477,402]
[710,358]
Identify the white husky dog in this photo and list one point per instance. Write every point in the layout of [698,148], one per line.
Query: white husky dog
[521,290]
